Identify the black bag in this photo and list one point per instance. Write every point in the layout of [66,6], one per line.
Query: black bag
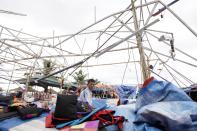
[29,112]
[66,106]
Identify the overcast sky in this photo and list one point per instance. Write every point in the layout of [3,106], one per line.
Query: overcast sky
[69,16]
[63,16]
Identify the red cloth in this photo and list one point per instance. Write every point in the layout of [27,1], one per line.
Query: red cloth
[106,118]
[147,81]
[48,121]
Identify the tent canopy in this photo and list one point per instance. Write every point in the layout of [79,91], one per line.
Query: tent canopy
[51,81]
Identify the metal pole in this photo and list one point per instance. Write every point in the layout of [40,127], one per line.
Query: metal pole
[125,39]
[186,25]
[139,44]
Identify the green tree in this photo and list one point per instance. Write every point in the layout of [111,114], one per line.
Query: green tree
[48,66]
[80,77]
[47,69]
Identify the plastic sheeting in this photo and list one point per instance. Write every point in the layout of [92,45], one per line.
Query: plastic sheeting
[125,92]
[165,106]
[158,91]
[159,106]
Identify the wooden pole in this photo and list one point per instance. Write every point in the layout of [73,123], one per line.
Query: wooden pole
[139,44]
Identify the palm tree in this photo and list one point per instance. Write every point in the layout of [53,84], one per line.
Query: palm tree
[47,69]
[48,66]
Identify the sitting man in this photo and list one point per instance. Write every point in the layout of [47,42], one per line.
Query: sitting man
[86,94]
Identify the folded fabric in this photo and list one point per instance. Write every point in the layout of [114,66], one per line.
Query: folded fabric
[156,91]
[168,116]
[29,112]
[86,126]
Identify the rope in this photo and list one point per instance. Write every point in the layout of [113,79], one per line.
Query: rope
[164,65]
[171,74]
[159,76]
[164,8]
[187,79]
[136,73]
[126,65]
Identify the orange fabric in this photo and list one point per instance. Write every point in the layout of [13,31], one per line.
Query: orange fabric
[48,121]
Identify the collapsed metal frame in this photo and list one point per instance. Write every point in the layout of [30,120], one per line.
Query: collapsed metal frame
[31,57]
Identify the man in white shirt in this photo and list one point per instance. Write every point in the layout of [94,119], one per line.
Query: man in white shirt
[86,94]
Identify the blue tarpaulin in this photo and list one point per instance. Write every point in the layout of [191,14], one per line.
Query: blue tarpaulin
[125,91]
